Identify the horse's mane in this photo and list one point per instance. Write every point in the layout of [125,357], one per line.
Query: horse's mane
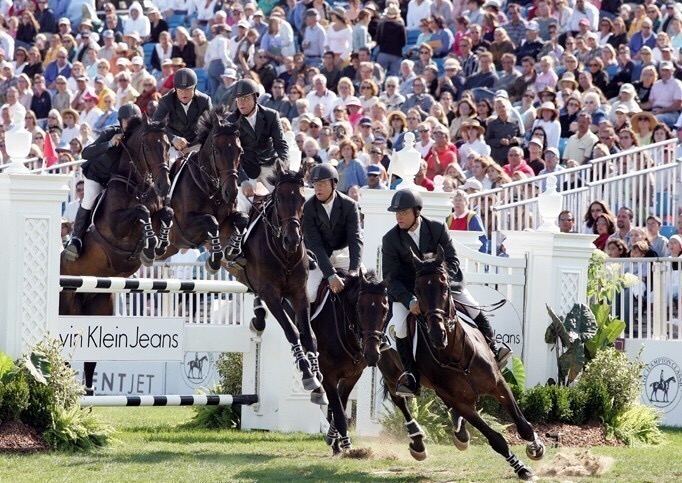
[430,264]
[214,120]
[290,177]
[372,283]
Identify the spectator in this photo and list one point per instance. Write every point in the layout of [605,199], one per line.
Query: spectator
[579,146]
[314,38]
[391,38]
[616,248]
[321,96]
[624,219]
[351,171]
[442,153]
[595,209]
[643,124]
[658,242]
[339,36]
[665,100]
[502,132]
[137,21]
[473,140]
[535,152]
[515,162]
[644,37]
[566,222]
[605,227]
[184,48]
[41,102]
[201,46]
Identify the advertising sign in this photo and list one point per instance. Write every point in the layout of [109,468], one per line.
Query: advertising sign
[88,338]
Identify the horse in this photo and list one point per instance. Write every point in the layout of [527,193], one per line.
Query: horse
[122,234]
[204,193]
[663,386]
[453,359]
[197,364]
[349,327]
[277,271]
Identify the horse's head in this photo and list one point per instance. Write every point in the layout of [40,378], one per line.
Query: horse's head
[149,149]
[433,293]
[370,300]
[288,199]
[221,141]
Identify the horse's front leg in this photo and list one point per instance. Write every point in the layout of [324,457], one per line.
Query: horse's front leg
[205,227]
[337,435]
[163,219]
[123,223]
[273,301]
[301,308]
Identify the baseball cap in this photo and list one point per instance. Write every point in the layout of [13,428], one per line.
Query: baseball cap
[472,184]
[353,101]
[166,62]
[137,60]
[244,24]
[373,169]
[365,121]
[230,73]
[304,117]
[554,151]
[622,108]
[627,87]
[667,65]
[108,34]
[532,25]
[316,121]
[65,21]
[536,141]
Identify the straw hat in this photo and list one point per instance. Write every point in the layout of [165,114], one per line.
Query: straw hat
[392,11]
[339,12]
[548,106]
[569,77]
[75,115]
[636,119]
[473,123]
[399,114]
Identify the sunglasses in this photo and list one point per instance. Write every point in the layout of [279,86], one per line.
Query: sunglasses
[375,152]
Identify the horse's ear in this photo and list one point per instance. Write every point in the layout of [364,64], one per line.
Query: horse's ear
[440,255]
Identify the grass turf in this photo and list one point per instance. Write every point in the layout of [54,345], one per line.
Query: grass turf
[151,447]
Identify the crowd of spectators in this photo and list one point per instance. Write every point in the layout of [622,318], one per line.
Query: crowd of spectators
[493,91]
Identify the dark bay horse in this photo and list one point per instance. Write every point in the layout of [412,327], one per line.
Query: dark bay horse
[125,220]
[205,187]
[277,271]
[349,328]
[454,360]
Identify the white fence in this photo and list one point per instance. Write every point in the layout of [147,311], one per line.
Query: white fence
[645,179]
[652,308]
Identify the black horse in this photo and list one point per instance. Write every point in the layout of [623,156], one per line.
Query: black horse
[454,360]
[277,271]
[349,327]
[205,188]
[126,220]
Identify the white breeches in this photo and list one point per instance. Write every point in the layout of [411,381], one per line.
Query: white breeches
[265,173]
[340,259]
[91,190]
[400,312]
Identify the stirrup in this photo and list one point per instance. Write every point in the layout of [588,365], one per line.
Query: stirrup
[502,355]
[407,385]
[73,249]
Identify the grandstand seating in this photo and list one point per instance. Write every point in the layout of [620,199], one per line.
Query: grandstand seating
[202,79]
[148,49]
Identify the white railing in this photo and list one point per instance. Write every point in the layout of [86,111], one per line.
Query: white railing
[199,308]
[645,177]
[72,167]
[652,308]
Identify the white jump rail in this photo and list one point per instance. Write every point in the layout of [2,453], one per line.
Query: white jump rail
[88,284]
[170,400]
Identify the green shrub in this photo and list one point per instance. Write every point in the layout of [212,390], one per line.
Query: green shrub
[636,426]
[577,400]
[561,404]
[599,404]
[620,376]
[230,368]
[536,404]
[77,429]
[14,397]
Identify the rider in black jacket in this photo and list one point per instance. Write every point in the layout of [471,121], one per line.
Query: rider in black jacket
[181,108]
[414,233]
[265,150]
[102,156]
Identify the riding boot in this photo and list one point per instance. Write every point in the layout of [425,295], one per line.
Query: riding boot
[80,226]
[502,354]
[233,252]
[408,383]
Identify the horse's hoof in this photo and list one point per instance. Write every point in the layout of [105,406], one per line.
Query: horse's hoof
[311,383]
[526,474]
[461,444]
[329,440]
[146,261]
[212,268]
[89,391]
[319,398]
[418,455]
[535,450]
[257,325]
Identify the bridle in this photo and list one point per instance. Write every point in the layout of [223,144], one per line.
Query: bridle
[148,178]
[213,174]
[448,314]
[279,225]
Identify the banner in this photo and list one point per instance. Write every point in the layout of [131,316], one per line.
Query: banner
[88,338]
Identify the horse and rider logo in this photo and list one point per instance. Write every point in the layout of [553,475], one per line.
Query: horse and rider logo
[197,367]
[663,383]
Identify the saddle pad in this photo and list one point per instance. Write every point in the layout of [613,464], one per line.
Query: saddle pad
[319,304]
[176,169]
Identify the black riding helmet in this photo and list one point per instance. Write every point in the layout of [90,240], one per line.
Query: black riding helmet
[323,172]
[245,87]
[185,79]
[406,199]
[128,111]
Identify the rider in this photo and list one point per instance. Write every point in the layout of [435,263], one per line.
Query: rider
[331,230]
[414,233]
[262,139]
[181,108]
[102,156]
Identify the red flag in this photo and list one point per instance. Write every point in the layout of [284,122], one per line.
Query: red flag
[50,155]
